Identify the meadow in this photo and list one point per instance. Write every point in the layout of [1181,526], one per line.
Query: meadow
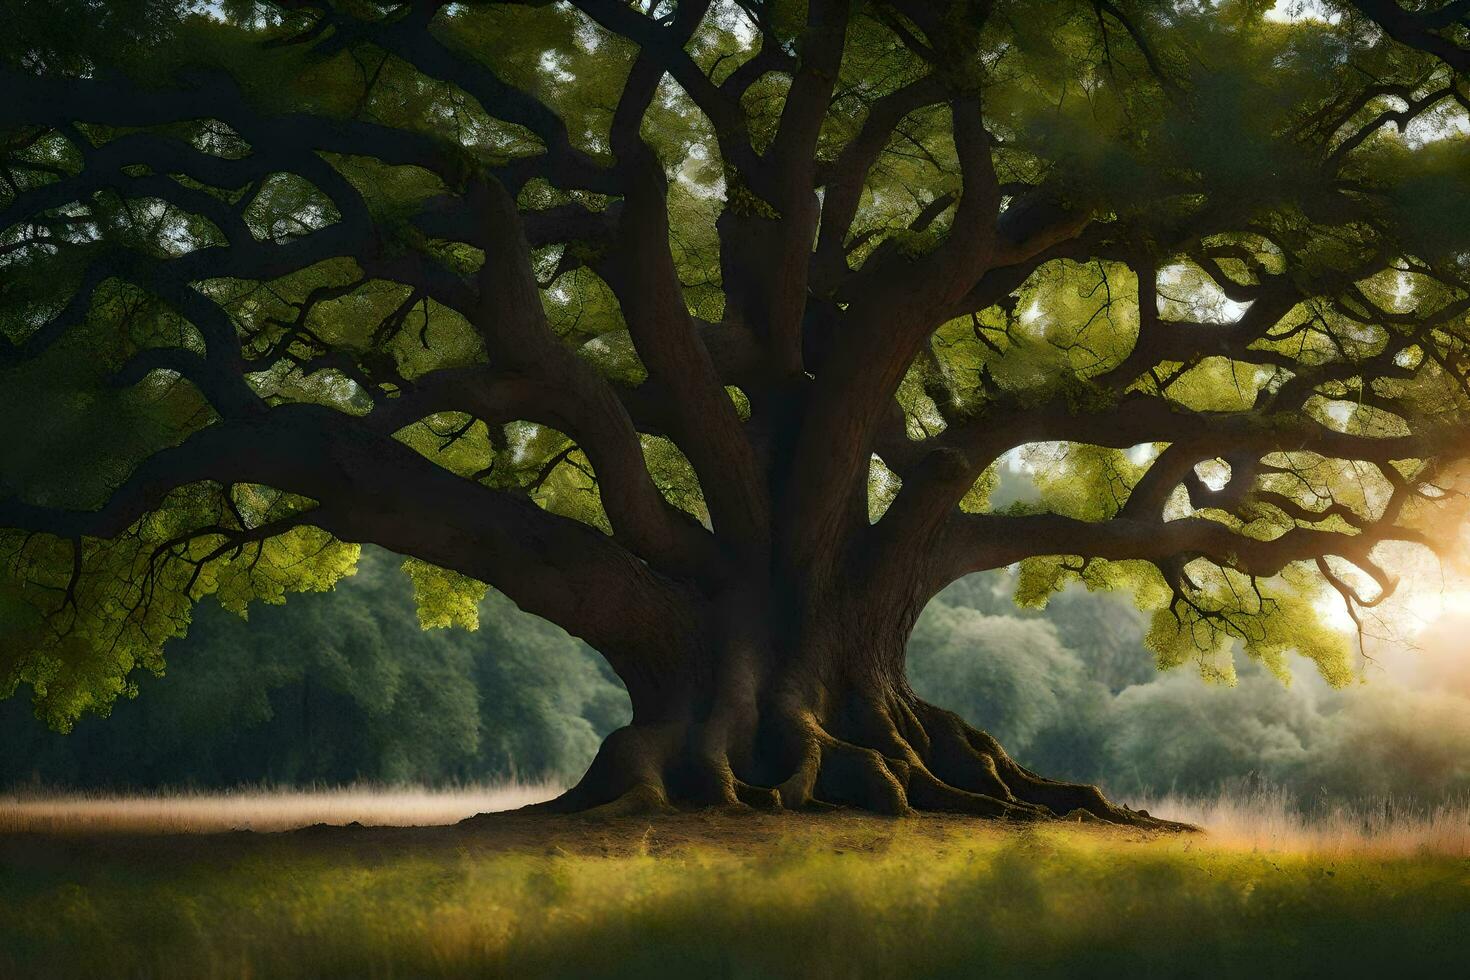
[260,809]
[732,895]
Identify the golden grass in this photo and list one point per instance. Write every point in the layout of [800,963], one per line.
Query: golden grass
[1269,820]
[259,809]
[1265,820]
[712,895]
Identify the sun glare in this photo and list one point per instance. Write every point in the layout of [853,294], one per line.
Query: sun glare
[1427,595]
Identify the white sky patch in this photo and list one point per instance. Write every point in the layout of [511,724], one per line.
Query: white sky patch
[1297,11]
[1214,473]
[1202,300]
[1340,412]
[1144,452]
[1014,461]
[1178,507]
[1447,120]
[1035,457]
[730,16]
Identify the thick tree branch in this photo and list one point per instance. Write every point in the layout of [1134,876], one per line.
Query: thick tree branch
[979,542]
[373,488]
[640,270]
[666,48]
[1419,29]
[844,180]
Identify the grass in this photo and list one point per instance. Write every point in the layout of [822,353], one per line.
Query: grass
[1270,820]
[716,895]
[1260,820]
[258,809]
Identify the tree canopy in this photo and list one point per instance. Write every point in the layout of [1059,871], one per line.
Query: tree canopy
[607,305]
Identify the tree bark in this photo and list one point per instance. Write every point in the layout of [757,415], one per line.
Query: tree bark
[829,722]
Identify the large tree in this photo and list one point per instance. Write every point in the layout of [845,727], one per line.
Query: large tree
[706,330]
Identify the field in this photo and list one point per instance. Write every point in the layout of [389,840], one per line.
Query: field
[261,810]
[722,895]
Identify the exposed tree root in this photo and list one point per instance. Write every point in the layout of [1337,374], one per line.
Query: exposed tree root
[896,756]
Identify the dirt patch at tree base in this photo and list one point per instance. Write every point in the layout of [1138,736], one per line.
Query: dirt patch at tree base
[746,833]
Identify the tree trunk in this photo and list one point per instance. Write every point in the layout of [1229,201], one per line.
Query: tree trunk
[830,723]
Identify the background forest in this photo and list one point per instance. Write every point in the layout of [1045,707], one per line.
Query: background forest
[345,686]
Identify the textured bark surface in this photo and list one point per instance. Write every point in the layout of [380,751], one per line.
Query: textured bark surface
[818,736]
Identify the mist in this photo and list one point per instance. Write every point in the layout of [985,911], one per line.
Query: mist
[345,687]
[1073,691]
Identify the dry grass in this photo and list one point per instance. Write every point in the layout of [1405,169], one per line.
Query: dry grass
[1263,820]
[1270,820]
[259,809]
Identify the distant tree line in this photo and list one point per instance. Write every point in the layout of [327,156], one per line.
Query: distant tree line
[339,687]
[1073,691]
[347,686]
